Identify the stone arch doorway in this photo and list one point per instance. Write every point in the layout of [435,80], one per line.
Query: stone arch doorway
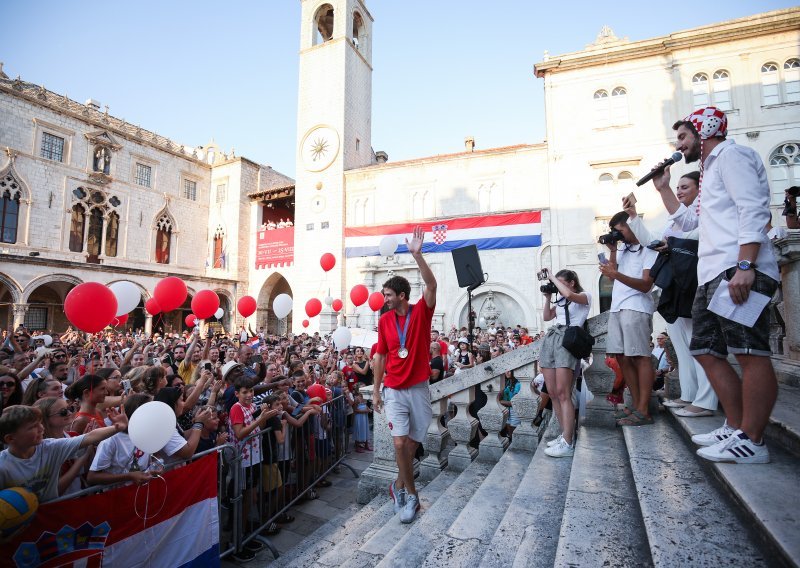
[46,305]
[10,294]
[275,285]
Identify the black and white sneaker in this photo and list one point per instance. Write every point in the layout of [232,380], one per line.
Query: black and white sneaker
[715,436]
[738,448]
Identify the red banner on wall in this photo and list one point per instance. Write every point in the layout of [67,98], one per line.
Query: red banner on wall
[275,248]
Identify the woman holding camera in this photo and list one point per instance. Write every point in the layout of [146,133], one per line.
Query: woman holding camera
[557,364]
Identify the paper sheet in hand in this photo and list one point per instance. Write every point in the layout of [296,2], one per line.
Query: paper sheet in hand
[745,314]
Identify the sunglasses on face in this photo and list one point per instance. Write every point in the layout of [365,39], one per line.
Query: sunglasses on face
[63,413]
[7,385]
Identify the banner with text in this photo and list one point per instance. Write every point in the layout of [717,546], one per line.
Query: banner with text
[275,247]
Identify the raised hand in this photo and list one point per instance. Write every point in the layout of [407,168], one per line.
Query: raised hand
[415,245]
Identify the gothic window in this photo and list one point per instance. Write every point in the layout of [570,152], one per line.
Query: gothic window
[784,165]
[9,222]
[769,84]
[52,147]
[601,107]
[619,106]
[144,175]
[163,239]
[94,237]
[323,24]
[791,78]
[76,228]
[722,90]
[700,96]
[219,248]
[358,32]
[112,234]
[190,189]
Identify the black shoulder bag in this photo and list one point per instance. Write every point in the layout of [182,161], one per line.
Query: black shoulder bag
[576,339]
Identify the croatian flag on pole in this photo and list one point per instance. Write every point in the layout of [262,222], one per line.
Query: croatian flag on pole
[168,522]
[487,232]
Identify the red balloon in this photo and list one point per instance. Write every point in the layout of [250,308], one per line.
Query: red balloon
[337,305]
[327,261]
[190,320]
[152,306]
[376,301]
[205,304]
[171,293]
[313,307]
[359,294]
[317,391]
[90,306]
[121,320]
[305,323]
[247,306]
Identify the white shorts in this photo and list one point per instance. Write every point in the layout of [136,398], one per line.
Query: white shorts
[408,411]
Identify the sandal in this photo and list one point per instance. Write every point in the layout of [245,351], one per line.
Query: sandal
[635,419]
[624,413]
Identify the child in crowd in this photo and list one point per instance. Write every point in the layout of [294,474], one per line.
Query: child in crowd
[361,424]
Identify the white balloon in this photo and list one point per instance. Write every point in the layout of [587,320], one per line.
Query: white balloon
[151,426]
[219,313]
[127,294]
[342,337]
[328,300]
[48,340]
[282,305]
[388,245]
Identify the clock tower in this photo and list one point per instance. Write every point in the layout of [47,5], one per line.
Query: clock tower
[333,135]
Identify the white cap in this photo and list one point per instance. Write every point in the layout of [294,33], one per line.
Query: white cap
[227,367]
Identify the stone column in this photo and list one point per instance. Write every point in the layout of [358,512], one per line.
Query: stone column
[789,259]
[492,417]
[462,429]
[526,437]
[148,323]
[328,320]
[19,314]
[435,442]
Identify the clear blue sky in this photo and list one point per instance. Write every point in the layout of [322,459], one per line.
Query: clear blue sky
[228,70]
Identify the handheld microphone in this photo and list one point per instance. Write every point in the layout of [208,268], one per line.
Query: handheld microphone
[676,157]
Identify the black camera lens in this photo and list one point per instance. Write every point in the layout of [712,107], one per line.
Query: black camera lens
[548,288]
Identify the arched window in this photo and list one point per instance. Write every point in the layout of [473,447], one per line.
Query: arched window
[219,248]
[700,97]
[94,237]
[791,77]
[358,32]
[163,239]
[619,106]
[605,178]
[112,234]
[722,90]
[76,228]
[9,221]
[784,165]
[769,84]
[601,108]
[323,24]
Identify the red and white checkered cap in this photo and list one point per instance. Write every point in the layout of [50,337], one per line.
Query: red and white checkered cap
[709,122]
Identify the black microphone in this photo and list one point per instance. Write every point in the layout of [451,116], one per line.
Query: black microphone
[676,157]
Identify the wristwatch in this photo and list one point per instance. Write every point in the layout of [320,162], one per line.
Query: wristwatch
[746,265]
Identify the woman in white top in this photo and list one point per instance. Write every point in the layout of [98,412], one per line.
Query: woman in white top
[557,364]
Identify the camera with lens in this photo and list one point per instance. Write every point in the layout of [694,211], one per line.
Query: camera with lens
[611,238]
[548,288]
[789,208]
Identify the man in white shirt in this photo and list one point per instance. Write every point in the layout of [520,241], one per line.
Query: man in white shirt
[630,323]
[732,213]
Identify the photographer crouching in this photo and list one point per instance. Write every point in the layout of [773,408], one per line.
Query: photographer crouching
[556,362]
[630,321]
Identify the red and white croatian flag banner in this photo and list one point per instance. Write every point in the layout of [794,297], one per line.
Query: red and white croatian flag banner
[169,523]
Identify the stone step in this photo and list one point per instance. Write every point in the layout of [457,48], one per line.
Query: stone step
[767,493]
[348,551]
[528,534]
[784,424]
[689,522]
[409,548]
[602,523]
[469,537]
[318,543]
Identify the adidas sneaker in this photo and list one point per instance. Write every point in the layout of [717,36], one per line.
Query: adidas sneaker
[555,441]
[560,450]
[737,448]
[715,436]
[398,497]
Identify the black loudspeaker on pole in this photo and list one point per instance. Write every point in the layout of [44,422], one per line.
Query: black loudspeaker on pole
[470,276]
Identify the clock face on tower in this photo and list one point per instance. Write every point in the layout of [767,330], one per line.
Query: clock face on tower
[319,148]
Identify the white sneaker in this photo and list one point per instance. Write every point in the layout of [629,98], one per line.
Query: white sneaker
[555,441]
[409,512]
[715,436]
[738,448]
[560,450]
[677,403]
[398,497]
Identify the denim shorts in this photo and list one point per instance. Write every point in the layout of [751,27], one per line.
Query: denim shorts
[718,336]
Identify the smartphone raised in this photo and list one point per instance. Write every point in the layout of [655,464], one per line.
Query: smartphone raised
[602,258]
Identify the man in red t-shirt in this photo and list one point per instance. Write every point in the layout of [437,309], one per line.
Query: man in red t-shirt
[401,365]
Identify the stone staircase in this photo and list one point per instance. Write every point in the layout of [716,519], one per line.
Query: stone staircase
[628,497]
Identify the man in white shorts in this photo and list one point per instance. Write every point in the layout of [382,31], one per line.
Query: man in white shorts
[401,366]
[630,323]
